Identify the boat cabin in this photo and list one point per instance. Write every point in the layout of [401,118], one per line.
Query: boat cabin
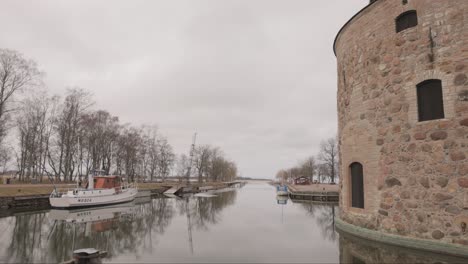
[107,182]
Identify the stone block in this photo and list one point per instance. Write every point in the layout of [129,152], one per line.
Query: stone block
[457,156]
[419,136]
[439,135]
[424,182]
[440,197]
[390,182]
[437,234]
[463,182]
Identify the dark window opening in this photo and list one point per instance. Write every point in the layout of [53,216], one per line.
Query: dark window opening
[406,20]
[357,185]
[430,100]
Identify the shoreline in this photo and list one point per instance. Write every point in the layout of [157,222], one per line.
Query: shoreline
[28,197]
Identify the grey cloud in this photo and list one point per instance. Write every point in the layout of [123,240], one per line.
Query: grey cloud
[257,77]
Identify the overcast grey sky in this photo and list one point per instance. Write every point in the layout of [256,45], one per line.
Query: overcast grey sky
[254,77]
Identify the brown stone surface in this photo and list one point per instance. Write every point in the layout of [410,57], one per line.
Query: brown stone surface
[424,182]
[439,135]
[460,79]
[442,181]
[422,167]
[437,234]
[442,197]
[463,182]
[392,182]
[452,209]
[458,155]
[419,136]
[464,122]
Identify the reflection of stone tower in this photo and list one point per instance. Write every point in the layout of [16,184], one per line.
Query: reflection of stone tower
[403,118]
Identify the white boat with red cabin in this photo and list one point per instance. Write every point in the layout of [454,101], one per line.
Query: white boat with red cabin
[100,190]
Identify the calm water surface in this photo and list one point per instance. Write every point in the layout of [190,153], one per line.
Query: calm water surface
[242,225]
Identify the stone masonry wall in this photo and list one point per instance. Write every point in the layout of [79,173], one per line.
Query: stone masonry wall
[415,173]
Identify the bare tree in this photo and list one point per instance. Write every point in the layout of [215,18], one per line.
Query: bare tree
[97,135]
[183,162]
[16,73]
[202,161]
[282,175]
[4,158]
[33,123]
[128,145]
[63,158]
[323,172]
[329,156]
[152,155]
[166,158]
[308,167]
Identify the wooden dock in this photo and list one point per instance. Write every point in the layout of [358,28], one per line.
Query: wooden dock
[314,192]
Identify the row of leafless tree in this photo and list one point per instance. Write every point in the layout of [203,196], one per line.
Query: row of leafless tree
[322,168]
[65,139]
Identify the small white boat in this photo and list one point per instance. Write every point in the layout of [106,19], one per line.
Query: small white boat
[282,190]
[100,190]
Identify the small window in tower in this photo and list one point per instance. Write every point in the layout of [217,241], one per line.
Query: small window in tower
[430,100]
[357,185]
[406,20]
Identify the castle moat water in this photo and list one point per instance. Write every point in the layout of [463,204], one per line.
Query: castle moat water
[248,225]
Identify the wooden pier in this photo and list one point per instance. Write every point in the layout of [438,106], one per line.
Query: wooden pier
[314,192]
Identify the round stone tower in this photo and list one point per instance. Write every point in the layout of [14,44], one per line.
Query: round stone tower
[403,119]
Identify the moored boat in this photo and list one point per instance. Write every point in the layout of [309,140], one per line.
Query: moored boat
[100,190]
[282,190]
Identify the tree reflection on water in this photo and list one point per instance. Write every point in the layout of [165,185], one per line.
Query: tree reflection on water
[324,215]
[135,229]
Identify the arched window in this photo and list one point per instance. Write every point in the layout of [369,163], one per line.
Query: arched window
[406,20]
[430,100]
[357,185]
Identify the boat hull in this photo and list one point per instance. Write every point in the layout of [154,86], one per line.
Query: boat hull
[80,202]
[282,193]
[282,190]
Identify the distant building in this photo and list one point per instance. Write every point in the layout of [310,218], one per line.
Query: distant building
[302,181]
[403,119]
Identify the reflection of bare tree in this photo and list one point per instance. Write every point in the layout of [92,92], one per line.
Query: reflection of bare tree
[26,238]
[324,215]
[36,239]
[206,211]
[326,220]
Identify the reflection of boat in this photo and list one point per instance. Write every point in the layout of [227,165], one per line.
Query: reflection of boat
[101,190]
[93,215]
[223,190]
[281,199]
[282,190]
[205,195]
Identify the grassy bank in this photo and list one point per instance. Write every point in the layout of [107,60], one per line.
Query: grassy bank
[12,190]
